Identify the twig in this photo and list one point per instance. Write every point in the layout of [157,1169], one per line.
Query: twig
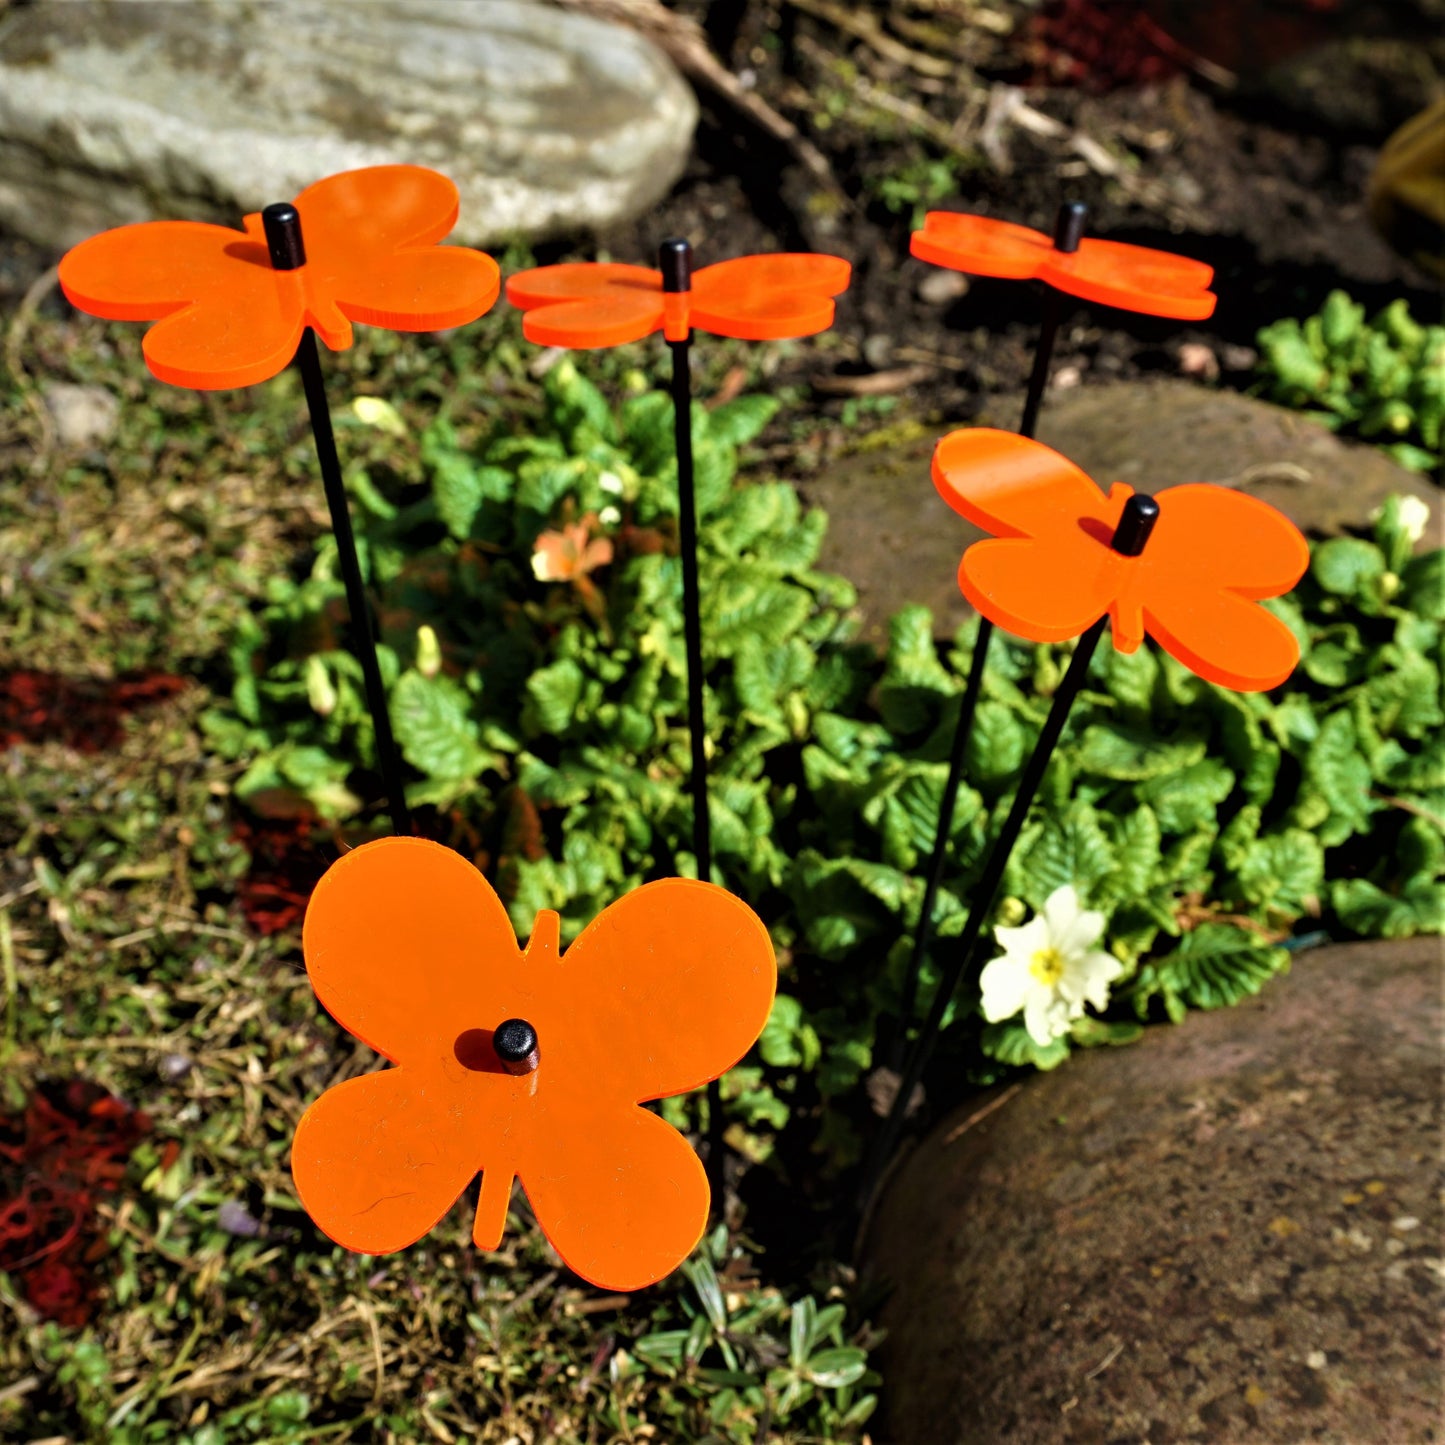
[685,44]
[1105,1362]
[878,383]
[38,290]
[862,24]
[979,1115]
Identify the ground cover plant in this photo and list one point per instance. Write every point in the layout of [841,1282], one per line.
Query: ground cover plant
[527,588]
[1383,379]
[149,913]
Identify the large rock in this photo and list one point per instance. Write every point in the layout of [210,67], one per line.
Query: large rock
[1229,1232]
[125,110]
[891,534]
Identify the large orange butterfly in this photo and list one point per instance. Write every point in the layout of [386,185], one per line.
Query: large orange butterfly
[1050,572]
[754,298]
[410,950]
[227,318]
[1134,278]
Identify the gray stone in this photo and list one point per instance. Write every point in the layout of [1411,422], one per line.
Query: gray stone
[84,416]
[127,110]
[891,534]
[1230,1232]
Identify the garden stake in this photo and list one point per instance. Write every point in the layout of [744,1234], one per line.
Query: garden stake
[1139,515]
[233,308]
[753,298]
[674,259]
[1068,232]
[287,248]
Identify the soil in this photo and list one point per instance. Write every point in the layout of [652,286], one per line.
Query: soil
[1214,168]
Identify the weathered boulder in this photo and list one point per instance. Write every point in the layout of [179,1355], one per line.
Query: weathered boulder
[891,534]
[1229,1232]
[124,110]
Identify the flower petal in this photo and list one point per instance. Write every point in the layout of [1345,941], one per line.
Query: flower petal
[626,1201]
[1046,1016]
[1005,982]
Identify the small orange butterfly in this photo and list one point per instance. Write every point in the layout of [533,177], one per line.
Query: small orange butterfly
[227,318]
[753,298]
[411,951]
[1135,278]
[1050,572]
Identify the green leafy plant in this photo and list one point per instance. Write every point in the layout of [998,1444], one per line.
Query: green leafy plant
[547,707]
[1382,379]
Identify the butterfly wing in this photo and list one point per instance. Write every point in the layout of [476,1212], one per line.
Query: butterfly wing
[665,990]
[379,1160]
[1134,278]
[768,298]
[408,948]
[586,304]
[1213,554]
[225,318]
[980,245]
[1051,572]
[372,255]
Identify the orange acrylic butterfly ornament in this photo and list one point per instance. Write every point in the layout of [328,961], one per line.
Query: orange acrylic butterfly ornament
[1049,572]
[1134,278]
[410,950]
[581,305]
[226,317]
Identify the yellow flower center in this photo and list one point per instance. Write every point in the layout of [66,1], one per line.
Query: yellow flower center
[1047,965]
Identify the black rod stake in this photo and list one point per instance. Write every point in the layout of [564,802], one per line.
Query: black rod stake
[675,262]
[1068,232]
[288,252]
[1139,515]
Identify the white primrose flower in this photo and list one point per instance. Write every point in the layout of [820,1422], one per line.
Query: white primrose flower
[1412,516]
[1050,968]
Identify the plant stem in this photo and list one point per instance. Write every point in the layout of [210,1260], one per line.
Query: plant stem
[363,638]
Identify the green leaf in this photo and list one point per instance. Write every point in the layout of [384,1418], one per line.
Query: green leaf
[1367,909]
[553,695]
[1011,1043]
[1073,849]
[833,1369]
[1424,585]
[1185,799]
[434,727]
[1109,751]
[738,422]
[1346,566]
[787,1041]
[1216,965]
[996,744]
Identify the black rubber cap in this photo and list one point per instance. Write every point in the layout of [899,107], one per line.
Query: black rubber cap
[1069,226]
[674,260]
[515,1041]
[1135,524]
[282,223]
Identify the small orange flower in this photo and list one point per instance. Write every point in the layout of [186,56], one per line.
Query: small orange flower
[570,554]
[411,951]
[1049,572]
